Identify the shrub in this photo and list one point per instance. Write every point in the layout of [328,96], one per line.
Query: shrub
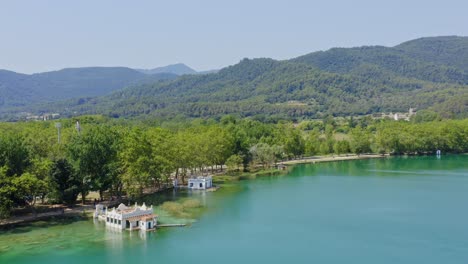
[191,203]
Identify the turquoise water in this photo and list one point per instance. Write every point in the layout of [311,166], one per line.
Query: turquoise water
[397,210]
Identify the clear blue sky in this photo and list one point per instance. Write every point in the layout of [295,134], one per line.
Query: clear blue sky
[38,36]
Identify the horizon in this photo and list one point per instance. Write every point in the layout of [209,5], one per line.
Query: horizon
[207,70]
[207,35]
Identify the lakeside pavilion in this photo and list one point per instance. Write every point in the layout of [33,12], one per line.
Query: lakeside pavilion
[200,183]
[130,218]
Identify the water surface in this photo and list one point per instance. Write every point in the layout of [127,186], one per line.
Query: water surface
[396,210]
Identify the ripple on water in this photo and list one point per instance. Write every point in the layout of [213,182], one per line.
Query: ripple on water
[416,216]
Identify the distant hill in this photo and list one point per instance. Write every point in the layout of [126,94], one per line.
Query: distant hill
[22,90]
[391,62]
[12,90]
[178,69]
[339,82]
[208,72]
[450,51]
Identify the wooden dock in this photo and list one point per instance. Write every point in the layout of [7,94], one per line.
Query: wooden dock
[171,225]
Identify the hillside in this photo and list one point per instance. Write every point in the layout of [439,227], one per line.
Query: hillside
[391,62]
[12,90]
[177,69]
[450,51]
[18,90]
[351,81]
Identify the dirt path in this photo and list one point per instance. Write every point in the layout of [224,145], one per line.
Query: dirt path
[60,211]
[316,159]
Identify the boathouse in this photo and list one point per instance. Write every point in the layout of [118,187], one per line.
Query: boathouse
[200,183]
[131,218]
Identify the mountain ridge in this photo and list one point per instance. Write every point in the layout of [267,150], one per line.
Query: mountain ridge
[18,89]
[339,81]
[178,69]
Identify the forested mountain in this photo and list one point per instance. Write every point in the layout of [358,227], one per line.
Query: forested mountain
[450,51]
[12,92]
[340,81]
[178,69]
[445,62]
[22,89]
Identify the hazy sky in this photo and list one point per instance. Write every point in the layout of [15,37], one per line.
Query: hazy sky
[44,35]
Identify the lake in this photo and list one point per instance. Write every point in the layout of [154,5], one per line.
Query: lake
[394,210]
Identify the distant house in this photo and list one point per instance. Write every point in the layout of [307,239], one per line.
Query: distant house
[43,117]
[400,116]
[200,183]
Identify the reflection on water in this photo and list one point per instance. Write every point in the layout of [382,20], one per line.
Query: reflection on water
[396,210]
[68,237]
[114,237]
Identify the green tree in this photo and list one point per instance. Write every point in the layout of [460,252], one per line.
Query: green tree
[325,147]
[388,138]
[312,144]
[162,155]
[182,153]
[265,154]
[360,140]
[28,187]
[234,162]
[64,181]
[40,168]
[14,154]
[425,116]
[143,161]
[94,154]
[7,193]
[294,144]
[341,147]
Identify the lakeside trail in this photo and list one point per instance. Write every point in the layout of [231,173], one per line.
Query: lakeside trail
[61,211]
[89,208]
[317,159]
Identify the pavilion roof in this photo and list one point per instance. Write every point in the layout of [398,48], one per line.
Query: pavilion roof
[141,217]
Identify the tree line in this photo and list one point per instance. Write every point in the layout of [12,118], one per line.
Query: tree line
[127,157]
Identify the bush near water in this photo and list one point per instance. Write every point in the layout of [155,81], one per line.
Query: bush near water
[180,209]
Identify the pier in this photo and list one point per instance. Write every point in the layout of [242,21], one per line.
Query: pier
[170,225]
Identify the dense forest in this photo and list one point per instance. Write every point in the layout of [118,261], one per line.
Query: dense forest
[125,157]
[427,73]
[21,90]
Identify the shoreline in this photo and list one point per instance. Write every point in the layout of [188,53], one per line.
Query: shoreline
[77,210]
[12,222]
[89,209]
[318,159]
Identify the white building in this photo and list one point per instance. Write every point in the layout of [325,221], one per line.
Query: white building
[200,183]
[131,218]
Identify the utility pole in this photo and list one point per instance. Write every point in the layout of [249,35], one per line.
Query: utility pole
[58,126]
[78,127]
